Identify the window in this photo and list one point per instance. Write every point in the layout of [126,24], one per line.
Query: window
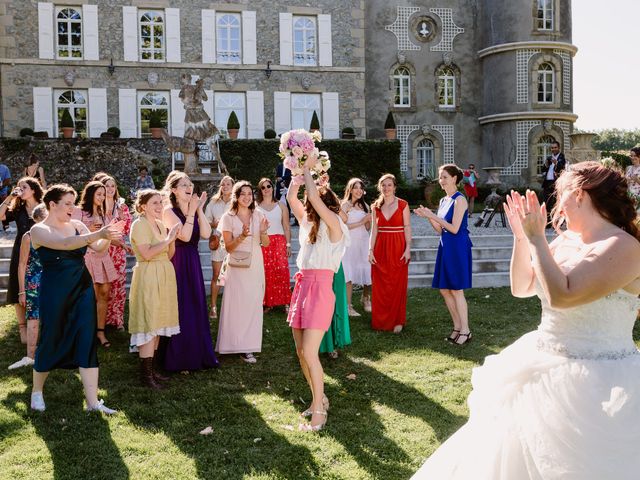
[152,42]
[227,102]
[149,102]
[543,150]
[304,41]
[228,41]
[425,164]
[302,107]
[401,85]
[69,33]
[446,88]
[545,83]
[545,15]
[76,102]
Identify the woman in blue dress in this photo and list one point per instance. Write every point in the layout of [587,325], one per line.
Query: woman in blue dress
[453,262]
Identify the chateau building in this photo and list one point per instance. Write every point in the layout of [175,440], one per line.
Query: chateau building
[482,81]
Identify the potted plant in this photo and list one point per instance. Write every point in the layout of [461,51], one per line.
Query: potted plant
[26,132]
[348,133]
[233,125]
[270,133]
[115,131]
[315,123]
[390,127]
[66,124]
[155,124]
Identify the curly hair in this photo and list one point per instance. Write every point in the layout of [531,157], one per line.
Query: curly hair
[607,190]
[17,203]
[332,202]
[235,196]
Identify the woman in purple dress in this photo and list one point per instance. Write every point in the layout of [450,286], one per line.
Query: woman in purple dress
[192,348]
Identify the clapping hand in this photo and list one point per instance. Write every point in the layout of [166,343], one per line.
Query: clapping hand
[512,210]
[525,214]
[424,212]
[173,232]
[246,230]
[203,200]
[264,226]
[194,203]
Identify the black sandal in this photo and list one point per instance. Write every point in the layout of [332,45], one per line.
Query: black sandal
[106,343]
[467,340]
[453,339]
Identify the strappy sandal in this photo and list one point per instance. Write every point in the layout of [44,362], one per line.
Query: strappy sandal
[467,339]
[325,403]
[307,427]
[453,339]
[106,343]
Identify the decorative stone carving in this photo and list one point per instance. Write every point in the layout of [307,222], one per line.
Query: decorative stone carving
[547,125]
[402,58]
[581,149]
[69,78]
[152,79]
[425,129]
[305,82]
[229,79]
[447,58]
[423,28]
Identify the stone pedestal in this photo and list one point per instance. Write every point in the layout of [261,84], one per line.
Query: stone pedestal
[581,149]
[494,183]
[206,182]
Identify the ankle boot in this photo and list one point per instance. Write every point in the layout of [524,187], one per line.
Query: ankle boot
[157,369]
[146,374]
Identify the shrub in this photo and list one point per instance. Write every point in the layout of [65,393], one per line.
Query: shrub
[66,121]
[315,123]
[621,158]
[233,123]
[348,130]
[155,119]
[25,132]
[270,133]
[389,123]
[115,131]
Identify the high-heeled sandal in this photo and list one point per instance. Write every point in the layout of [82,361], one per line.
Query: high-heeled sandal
[467,339]
[325,403]
[106,343]
[307,427]
[453,339]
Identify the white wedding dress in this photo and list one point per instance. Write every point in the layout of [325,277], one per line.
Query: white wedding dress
[561,403]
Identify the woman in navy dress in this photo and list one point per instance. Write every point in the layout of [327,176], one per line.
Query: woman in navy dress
[453,263]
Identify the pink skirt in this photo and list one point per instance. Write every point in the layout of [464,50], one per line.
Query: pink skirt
[313,300]
[101,267]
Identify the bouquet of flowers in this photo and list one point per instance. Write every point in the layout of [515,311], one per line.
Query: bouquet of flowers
[298,145]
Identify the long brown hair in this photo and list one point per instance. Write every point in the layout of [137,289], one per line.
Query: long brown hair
[259,196]
[453,170]
[172,181]
[380,200]
[347,193]
[86,198]
[607,190]
[332,202]
[17,203]
[235,196]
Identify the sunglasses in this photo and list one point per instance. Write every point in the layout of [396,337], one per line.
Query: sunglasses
[265,187]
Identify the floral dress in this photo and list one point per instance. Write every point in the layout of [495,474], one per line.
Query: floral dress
[632,174]
[32,284]
[118,292]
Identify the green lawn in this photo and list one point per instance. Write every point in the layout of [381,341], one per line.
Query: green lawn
[408,396]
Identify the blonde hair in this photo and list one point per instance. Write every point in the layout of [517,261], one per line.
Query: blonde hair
[172,181]
[218,196]
[380,200]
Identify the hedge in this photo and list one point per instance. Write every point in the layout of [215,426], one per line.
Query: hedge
[621,158]
[366,159]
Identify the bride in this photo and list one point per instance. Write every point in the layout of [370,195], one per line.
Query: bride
[562,402]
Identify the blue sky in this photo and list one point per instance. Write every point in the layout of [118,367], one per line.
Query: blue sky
[606,75]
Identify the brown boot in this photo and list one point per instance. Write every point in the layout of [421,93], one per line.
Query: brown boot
[146,374]
[157,369]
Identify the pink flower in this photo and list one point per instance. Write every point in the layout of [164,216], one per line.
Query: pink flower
[297,152]
[290,163]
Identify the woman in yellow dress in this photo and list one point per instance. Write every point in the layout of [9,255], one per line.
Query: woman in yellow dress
[153,298]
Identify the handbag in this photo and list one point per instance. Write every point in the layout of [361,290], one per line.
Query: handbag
[240,259]
[214,242]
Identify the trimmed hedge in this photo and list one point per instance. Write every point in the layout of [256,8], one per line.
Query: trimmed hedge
[621,158]
[367,159]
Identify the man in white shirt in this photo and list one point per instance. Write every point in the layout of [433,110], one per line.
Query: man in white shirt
[554,165]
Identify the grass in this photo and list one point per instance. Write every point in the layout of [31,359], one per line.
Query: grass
[408,396]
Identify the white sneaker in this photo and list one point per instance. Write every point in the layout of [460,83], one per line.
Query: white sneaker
[37,402]
[23,362]
[366,304]
[133,349]
[248,357]
[353,312]
[99,407]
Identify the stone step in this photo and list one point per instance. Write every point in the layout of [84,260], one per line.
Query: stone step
[4,280]
[4,265]
[3,296]
[479,280]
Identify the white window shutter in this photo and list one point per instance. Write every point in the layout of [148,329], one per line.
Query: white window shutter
[281,112]
[330,115]
[177,114]
[249,38]
[43,110]
[324,40]
[130,34]
[208,36]
[255,114]
[97,111]
[46,41]
[128,112]
[90,32]
[172,19]
[286,39]
[209,106]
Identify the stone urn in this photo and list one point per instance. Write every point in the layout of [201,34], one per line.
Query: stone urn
[493,182]
[581,149]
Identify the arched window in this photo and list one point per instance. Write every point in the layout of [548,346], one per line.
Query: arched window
[69,33]
[152,36]
[228,42]
[402,87]
[149,102]
[543,150]
[425,162]
[544,15]
[446,87]
[546,83]
[76,102]
[304,41]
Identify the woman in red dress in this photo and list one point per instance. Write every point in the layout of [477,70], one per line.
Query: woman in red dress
[389,254]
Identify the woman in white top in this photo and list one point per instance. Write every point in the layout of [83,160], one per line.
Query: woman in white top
[323,239]
[217,207]
[276,255]
[356,259]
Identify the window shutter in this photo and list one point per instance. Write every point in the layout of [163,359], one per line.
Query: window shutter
[43,110]
[172,19]
[130,34]
[128,112]
[249,38]
[45,30]
[177,114]
[324,40]
[209,106]
[331,115]
[281,112]
[208,36]
[90,32]
[97,111]
[255,114]
[286,39]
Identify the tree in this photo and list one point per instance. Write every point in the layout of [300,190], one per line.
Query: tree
[615,139]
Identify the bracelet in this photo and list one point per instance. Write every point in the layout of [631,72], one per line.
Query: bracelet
[22,293]
[288,244]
